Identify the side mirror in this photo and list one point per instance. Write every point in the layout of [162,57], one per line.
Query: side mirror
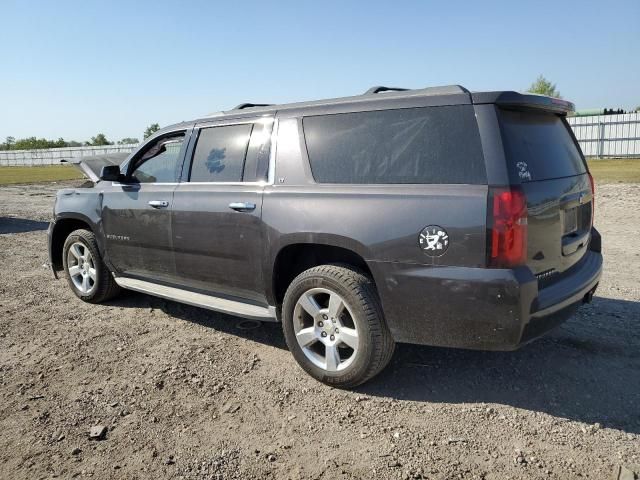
[111,173]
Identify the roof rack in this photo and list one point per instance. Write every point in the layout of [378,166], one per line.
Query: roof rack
[380,88]
[251,105]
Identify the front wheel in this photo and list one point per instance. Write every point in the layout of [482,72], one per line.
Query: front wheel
[334,326]
[87,274]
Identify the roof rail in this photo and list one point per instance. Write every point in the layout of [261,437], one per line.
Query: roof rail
[380,88]
[251,105]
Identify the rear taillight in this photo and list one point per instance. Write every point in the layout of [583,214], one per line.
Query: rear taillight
[593,198]
[507,223]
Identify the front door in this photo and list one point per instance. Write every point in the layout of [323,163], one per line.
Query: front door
[136,213]
[216,218]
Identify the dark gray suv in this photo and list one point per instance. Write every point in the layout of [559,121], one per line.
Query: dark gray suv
[435,216]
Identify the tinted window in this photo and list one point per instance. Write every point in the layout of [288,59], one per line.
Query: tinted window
[538,146]
[416,145]
[160,162]
[220,153]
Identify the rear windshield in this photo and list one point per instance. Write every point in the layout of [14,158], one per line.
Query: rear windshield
[538,146]
[413,145]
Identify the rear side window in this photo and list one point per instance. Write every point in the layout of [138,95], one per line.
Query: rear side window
[219,154]
[538,146]
[414,145]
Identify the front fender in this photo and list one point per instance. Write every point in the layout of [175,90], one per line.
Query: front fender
[84,205]
[75,208]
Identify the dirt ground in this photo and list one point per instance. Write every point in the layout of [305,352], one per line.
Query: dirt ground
[186,393]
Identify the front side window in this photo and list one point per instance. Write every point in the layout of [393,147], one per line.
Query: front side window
[414,145]
[160,162]
[220,154]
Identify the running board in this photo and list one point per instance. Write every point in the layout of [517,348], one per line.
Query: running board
[223,305]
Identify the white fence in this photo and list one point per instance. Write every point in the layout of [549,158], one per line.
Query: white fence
[608,135]
[53,156]
[599,136]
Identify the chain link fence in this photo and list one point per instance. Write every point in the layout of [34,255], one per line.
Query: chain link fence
[604,136]
[53,156]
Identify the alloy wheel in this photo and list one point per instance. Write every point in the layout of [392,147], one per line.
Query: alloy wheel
[81,267]
[325,329]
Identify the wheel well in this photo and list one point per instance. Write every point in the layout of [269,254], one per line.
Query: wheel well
[60,233]
[295,259]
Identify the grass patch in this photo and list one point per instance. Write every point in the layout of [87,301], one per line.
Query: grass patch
[615,170]
[48,173]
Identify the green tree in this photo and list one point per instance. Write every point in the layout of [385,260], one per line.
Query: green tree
[27,144]
[151,129]
[59,143]
[8,143]
[32,143]
[637,109]
[542,86]
[99,140]
[128,141]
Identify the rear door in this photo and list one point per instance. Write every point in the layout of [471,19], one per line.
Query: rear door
[216,217]
[545,160]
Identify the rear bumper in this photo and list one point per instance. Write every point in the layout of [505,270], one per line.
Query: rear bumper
[558,302]
[480,308]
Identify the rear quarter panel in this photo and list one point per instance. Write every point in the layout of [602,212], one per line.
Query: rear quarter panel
[381,223]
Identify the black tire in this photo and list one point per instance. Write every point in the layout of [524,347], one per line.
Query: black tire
[375,343]
[104,287]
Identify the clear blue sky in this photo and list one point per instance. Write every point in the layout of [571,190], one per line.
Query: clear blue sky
[73,69]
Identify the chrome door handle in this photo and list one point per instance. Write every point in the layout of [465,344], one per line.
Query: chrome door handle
[158,203]
[242,206]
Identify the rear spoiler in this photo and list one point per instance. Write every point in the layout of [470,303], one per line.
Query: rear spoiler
[524,101]
[91,166]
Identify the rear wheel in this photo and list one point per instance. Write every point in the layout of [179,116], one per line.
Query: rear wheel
[87,275]
[334,326]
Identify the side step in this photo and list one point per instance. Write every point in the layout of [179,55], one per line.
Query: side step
[223,305]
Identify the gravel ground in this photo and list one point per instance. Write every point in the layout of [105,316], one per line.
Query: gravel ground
[187,393]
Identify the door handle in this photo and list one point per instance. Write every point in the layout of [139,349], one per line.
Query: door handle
[159,203]
[242,206]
